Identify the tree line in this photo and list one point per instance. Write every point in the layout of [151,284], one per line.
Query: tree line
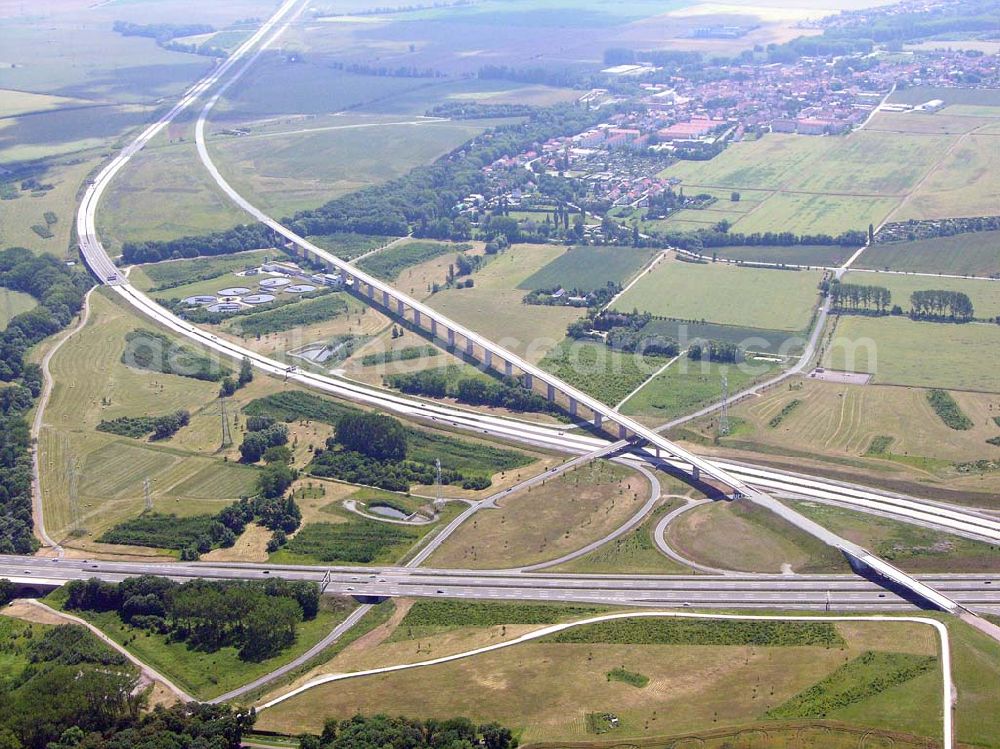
[508,392]
[60,292]
[423,200]
[860,297]
[940,304]
[382,732]
[259,617]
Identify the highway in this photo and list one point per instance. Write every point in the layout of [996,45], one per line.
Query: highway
[834,592]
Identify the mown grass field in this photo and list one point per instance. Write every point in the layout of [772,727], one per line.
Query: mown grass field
[899,351]
[589,268]
[691,688]
[974,254]
[909,547]
[309,164]
[722,293]
[547,521]
[96,479]
[741,536]
[164,193]
[13,303]
[19,215]
[985,295]
[686,385]
[631,553]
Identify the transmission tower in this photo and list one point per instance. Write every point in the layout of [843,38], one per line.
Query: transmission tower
[437,483]
[724,417]
[146,496]
[227,436]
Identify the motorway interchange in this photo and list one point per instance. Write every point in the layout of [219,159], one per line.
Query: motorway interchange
[757,484]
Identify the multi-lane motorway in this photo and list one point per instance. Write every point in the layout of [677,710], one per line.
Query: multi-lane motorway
[835,592]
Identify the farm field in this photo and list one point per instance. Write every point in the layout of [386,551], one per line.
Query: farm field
[816,214]
[844,420]
[899,351]
[13,303]
[750,339]
[723,293]
[870,162]
[64,131]
[273,87]
[307,166]
[909,547]
[964,182]
[742,536]
[985,295]
[685,386]
[493,307]
[13,103]
[919,94]
[689,687]
[164,193]
[973,254]
[95,479]
[588,268]
[560,516]
[600,371]
[945,122]
[392,261]
[760,164]
[826,255]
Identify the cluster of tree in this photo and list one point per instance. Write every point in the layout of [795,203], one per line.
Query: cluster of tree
[238,239]
[508,392]
[369,448]
[137,427]
[722,352]
[658,57]
[915,229]
[562,78]
[940,304]
[668,201]
[189,726]
[145,349]
[161,32]
[383,71]
[557,296]
[403,733]
[263,439]
[474,110]
[59,291]
[259,618]
[72,683]
[199,534]
[624,331]
[855,297]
